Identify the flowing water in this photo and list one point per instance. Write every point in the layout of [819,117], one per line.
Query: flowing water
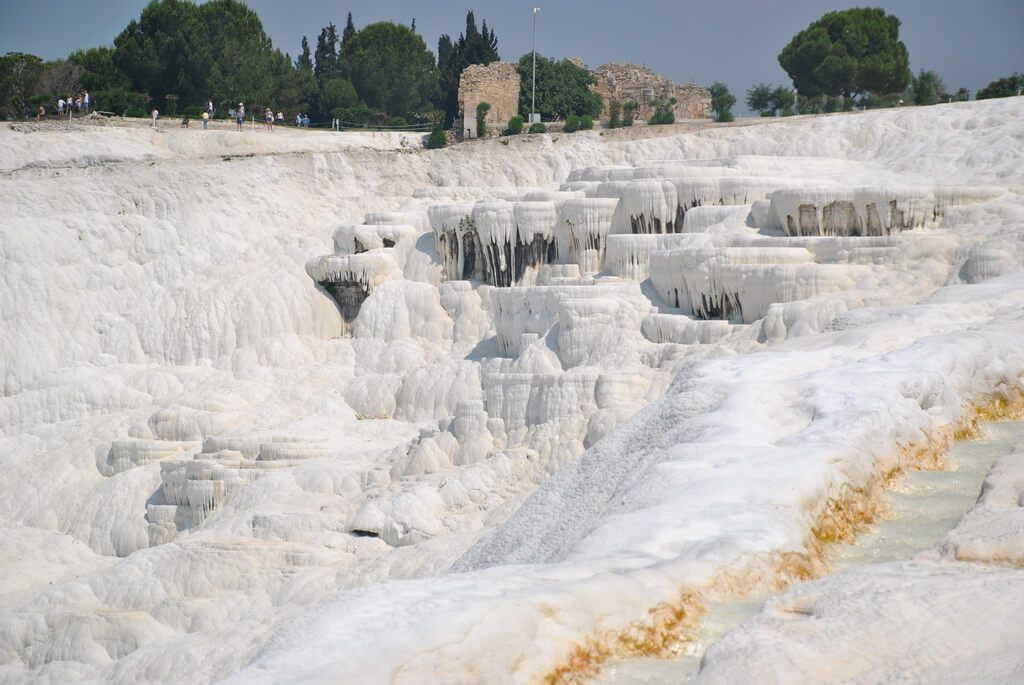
[922,506]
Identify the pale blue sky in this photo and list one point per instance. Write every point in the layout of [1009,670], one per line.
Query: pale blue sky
[735,41]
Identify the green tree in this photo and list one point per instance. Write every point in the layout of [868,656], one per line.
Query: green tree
[783,101]
[847,53]
[437,138]
[327,64]
[337,94]
[722,101]
[563,88]
[474,46]
[961,95]
[759,99]
[99,73]
[629,112]
[481,119]
[614,111]
[347,32]
[19,77]
[1001,88]
[391,68]
[926,88]
[304,62]
[515,126]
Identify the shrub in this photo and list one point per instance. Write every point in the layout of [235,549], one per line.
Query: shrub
[437,138]
[1002,88]
[538,128]
[572,123]
[193,112]
[614,108]
[397,121]
[726,116]
[721,101]
[515,126]
[586,122]
[135,112]
[628,112]
[481,119]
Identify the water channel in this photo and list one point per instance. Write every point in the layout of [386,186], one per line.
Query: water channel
[922,506]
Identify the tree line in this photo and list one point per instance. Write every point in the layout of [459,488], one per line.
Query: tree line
[177,56]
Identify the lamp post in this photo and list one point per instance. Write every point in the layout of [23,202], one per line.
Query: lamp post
[534,117]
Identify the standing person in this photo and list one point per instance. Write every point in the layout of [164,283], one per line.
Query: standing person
[78,103]
[60,106]
[305,121]
[298,119]
[269,118]
[206,120]
[40,113]
[240,116]
[209,107]
[155,115]
[280,117]
[85,101]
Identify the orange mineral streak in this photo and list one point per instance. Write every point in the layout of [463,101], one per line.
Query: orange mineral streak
[839,519]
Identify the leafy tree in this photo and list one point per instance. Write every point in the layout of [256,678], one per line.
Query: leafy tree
[961,95]
[481,119]
[19,76]
[347,32]
[563,88]
[847,53]
[926,88]
[628,113]
[338,94]
[515,126]
[664,112]
[783,101]
[327,64]
[759,99]
[1001,88]
[99,73]
[391,68]
[722,101]
[437,138]
[166,51]
[304,61]
[474,46]
[60,78]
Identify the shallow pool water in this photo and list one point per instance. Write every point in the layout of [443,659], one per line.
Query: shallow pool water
[921,507]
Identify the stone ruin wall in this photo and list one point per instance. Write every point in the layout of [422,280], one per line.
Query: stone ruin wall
[497,83]
[625,82]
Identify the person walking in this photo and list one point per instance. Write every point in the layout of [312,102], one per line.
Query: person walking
[206,120]
[156,116]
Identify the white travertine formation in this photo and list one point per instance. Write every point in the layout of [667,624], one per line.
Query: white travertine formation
[211,474]
[629,256]
[588,221]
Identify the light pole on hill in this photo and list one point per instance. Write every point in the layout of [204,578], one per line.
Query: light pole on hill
[534,117]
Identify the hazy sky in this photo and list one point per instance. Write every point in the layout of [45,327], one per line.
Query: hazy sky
[968,42]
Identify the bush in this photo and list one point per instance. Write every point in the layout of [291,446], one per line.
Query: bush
[572,123]
[586,122]
[628,113]
[721,101]
[726,117]
[538,128]
[481,119]
[193,112]
[135,112]
[515,126]
[1002,88]
[437,138]
[613,109]
[397,121]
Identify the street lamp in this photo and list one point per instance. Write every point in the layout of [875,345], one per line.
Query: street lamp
[534,116]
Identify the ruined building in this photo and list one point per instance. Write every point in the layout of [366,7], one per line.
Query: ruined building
[624,82]
[496,83]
